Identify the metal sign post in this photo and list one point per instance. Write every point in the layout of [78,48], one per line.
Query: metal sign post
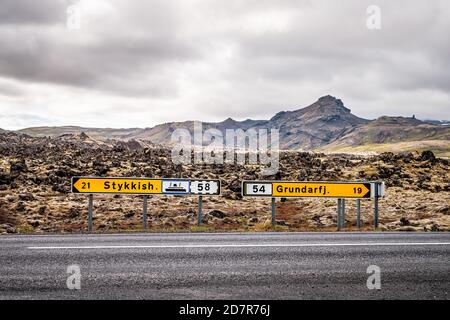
[144,213]
[90,209]
[378,191]
[358,213]
[274,212]
[199,215]
[338,219]
[343,213]
[375,211]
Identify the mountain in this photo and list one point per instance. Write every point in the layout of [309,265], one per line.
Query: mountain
[95,133]
[438,122]
[306,128]
[394,129]
[316,125]
[325,125]
[394,134]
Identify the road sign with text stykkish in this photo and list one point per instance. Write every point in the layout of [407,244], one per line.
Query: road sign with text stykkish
[144,186]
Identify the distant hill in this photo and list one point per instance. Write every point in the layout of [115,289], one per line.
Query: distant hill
[325,125]
[438,122]
[392,130]
[394,134]
[95,133]
[161,134]
[306,128]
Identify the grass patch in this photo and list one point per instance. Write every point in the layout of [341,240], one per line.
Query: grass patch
[25,229]
[280,228]
[200,229]
[267,226]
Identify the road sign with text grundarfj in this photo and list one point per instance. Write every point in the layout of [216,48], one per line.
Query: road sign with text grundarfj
[286,189]
[91,185]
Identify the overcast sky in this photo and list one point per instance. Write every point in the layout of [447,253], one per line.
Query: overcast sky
[140,63]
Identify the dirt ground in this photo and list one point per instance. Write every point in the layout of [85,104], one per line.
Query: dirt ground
[35,191]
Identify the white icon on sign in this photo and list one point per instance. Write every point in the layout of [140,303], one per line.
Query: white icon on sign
[175,186]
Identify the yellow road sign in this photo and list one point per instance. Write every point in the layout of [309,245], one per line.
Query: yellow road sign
[144,186]
[116,185]
[309,189]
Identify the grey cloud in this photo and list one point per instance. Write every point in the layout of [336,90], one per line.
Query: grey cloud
[20,12]
[120,64]
[18,121]
[109,55]
[283,54]
[9,89]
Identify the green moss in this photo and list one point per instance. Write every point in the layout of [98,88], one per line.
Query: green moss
[200,229]
[280,228]
[25,228]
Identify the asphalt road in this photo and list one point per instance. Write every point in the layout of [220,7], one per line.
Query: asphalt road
[226,266]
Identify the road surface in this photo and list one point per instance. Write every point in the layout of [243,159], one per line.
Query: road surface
[226,266]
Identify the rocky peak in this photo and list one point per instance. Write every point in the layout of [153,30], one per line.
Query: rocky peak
[131,145]
[279,115]
[386,120]
[229,121]
[330,104]
[83,136]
